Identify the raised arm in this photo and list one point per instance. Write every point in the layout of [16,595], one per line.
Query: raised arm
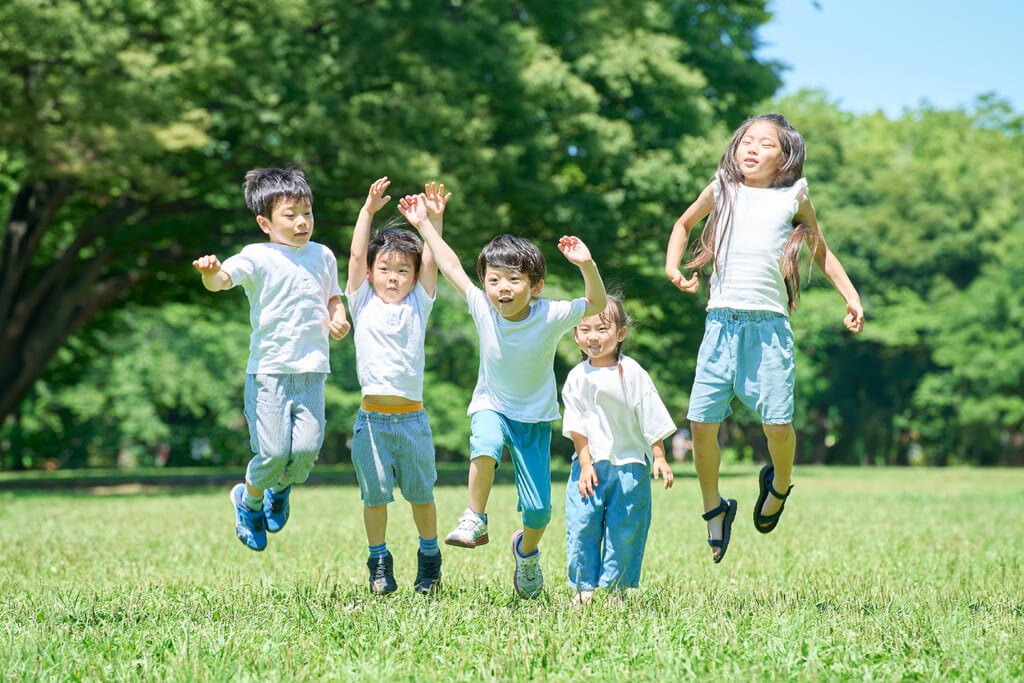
[443,255]
[434,200]
[577,253]
[214,279]
[830,265]
[680,237]
[375,201]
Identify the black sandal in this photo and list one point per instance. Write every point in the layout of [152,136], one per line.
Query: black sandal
[729,508]
[767,523]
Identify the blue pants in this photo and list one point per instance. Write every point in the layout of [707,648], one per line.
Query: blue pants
[606,534]
[286,426]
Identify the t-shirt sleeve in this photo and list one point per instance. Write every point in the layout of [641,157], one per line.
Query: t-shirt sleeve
[241,267]
[655,420]
[423,299]
[357,300]
[572,420]
[332,274]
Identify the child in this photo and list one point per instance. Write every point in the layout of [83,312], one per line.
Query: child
[391,283]
[759,215]
[294,302]
[618,424]
[515,398]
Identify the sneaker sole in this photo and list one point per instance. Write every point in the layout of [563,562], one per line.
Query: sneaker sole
[459,543]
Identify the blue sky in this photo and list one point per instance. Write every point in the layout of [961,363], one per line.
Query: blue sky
[893,54]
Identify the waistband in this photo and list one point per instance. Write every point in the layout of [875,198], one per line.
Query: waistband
[737,314]
[391,410]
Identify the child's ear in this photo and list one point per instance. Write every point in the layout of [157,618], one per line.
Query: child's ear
[263,223]
[536,288]
[622,334]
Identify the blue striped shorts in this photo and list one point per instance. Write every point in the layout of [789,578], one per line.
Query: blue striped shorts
[394,448]
[286,426]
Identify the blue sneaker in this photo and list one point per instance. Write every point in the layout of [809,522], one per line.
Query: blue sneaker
[250,525]
[276,508]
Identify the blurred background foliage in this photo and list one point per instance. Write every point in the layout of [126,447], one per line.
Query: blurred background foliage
[126,127]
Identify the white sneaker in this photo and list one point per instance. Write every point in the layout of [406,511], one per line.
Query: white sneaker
[528,579]
[583,598]
[471,531]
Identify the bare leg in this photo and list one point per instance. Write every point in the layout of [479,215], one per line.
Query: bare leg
[375,519]
[425,517]
[782,447]
[707,458]
[481,479]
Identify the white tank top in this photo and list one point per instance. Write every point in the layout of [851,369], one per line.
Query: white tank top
[748,275]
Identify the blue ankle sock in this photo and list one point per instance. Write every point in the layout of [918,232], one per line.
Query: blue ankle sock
[379,550]
[429,547]
[483,517]
[251,501]
[520,552]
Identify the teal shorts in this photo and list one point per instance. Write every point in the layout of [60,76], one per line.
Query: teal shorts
[749,355]
[529,444]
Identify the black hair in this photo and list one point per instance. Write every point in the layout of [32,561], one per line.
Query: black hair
[265,188]
[514,253]
[395,240]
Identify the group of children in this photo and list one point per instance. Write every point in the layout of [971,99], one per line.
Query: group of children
[758,214]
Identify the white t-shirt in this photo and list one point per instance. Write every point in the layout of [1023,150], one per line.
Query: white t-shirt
[751,277]
[516,376]
[389,341]
[621,415]
[288,289]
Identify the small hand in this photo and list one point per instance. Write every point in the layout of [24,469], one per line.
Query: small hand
[435,199]
[339,328]
[414,208]
[679,280]
[661,468]
[207,265]
[854,319]
[574,249]
[375,199]
[588,480]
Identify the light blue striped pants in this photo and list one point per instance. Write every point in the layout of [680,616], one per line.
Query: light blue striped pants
[286,426]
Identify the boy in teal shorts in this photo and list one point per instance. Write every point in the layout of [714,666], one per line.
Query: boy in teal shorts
[515,399]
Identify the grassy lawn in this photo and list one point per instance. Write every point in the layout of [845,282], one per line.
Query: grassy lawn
[873,574]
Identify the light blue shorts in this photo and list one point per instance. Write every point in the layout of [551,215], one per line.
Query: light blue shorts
[529,444]
[747,354]
[606,534]
[394,448]
[286,426]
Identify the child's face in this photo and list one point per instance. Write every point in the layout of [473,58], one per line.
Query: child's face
[290,223]
[510,292]
[759,154]
[393,276]
[599,339]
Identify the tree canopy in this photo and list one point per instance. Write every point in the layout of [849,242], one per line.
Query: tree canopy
[127,127]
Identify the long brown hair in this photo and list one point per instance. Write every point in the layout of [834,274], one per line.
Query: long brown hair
[729,176]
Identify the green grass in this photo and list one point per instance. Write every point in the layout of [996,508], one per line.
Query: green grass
[873,574]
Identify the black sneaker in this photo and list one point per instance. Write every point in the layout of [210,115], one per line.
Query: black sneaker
[428,573]
[382,574]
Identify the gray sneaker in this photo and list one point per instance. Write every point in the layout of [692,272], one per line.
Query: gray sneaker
[528,579]
[471,531]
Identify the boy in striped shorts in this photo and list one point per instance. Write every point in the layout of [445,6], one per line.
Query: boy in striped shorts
[391,283]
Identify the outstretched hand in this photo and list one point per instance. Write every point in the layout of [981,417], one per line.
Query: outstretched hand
[574,249]
[414,208]
[207,265]
[375,198]
[690,285]
[434,199]
[854,319]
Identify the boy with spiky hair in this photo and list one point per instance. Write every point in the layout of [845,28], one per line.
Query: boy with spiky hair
[294,303]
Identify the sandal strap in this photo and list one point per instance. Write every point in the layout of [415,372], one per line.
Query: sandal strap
[715,542]
[780,496]
[722,507]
